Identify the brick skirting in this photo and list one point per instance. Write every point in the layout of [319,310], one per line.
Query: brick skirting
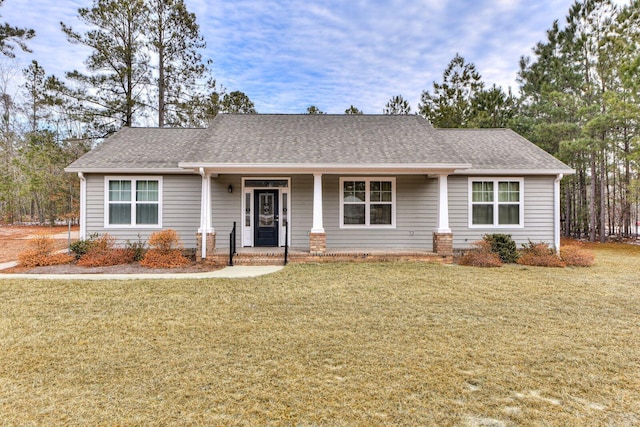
[443,244]
[317,243]
[211,245]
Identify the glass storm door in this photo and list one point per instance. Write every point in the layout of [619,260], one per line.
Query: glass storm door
[266,218]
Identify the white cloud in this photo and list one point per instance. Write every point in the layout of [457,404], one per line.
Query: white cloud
[287,55]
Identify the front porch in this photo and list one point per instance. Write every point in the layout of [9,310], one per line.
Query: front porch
[276,256]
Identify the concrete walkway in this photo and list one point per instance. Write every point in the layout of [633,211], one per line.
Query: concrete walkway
[235,272]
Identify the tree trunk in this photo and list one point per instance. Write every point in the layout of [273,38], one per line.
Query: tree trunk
[592,201]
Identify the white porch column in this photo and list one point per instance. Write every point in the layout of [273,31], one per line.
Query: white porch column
[318,226]
[443,205]
[206,231]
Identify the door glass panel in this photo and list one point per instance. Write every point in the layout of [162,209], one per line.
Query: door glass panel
[267,217]
[247,210]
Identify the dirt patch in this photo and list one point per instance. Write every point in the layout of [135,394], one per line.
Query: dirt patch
[13,238]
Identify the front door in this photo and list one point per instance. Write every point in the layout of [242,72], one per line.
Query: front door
[265,218]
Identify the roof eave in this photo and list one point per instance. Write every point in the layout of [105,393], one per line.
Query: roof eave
[129,171]
[399,168]
[472,171]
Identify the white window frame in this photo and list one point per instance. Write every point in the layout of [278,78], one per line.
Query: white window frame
[496,202]
[368,202]
[134,203]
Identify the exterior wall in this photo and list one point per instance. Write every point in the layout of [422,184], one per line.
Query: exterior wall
[180,209]
[416,216]
[538,213]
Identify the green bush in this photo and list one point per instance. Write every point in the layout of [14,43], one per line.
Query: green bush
[503,245]
[81,247]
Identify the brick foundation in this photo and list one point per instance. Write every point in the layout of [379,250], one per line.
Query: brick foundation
[443,244]
[317,243]
[211,245]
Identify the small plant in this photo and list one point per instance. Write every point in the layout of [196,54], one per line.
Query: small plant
[81,247]
[138,248]
[165,251]
[503,245]
[41,253]
[102,252]
[576,256]
[539,254]
[481,256]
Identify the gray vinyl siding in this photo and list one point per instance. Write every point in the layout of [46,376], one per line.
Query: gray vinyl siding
[538,213]
[226,208]
[416,216]
[180,209]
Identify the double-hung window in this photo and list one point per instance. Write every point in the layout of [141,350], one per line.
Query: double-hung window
[367,202]
[133,202]
[496,202]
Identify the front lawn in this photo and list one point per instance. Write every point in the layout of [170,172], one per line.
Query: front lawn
[333,344]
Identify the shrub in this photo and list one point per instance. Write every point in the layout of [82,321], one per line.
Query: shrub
[503,245]
[81,247]
[102,253]
[539,254]
[138,248]
[481,256]
[576,256]
[165,251]
[40,253]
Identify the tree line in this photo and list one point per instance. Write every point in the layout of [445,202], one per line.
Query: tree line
[578,99]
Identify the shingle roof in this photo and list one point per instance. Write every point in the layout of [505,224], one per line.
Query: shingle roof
[499,149]
[273,139]
[321,139]
[140,148]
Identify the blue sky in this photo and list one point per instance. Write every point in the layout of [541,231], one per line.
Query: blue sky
[286,55]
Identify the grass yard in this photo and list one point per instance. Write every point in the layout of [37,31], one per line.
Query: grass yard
[334,344]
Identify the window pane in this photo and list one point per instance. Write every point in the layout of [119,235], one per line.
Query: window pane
[354,214]
[147,214]
[147,191]
[482,192]
[119,213]
[247,210]
[354,191]
[380,191]
[119,191]
[482,214]
[509,191]
[375,185]
[375,196]
[380,214]
[509,214]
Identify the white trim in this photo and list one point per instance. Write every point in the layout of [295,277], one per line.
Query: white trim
[367,202]
[495,180]
[318,226]
[326,168]
[443,205]
[556,213]
[83,206]
[511,172]
[135,171]
[133,179]
[247,232]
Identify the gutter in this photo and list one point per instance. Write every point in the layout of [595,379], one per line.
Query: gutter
[556,213]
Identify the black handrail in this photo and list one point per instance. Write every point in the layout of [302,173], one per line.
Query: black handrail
[286,242]
[232,244]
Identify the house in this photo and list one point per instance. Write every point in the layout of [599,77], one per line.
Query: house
[326,182]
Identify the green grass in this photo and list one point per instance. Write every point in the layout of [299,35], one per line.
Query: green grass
[333,344]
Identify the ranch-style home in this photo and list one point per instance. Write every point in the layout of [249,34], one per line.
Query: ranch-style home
[321,185]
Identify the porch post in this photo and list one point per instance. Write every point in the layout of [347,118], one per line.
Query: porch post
[83,206]
[442,235]
[317,236]
[206,234]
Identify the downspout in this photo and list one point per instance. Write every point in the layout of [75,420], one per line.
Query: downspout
[203,214]
[83,206]
[556,213]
